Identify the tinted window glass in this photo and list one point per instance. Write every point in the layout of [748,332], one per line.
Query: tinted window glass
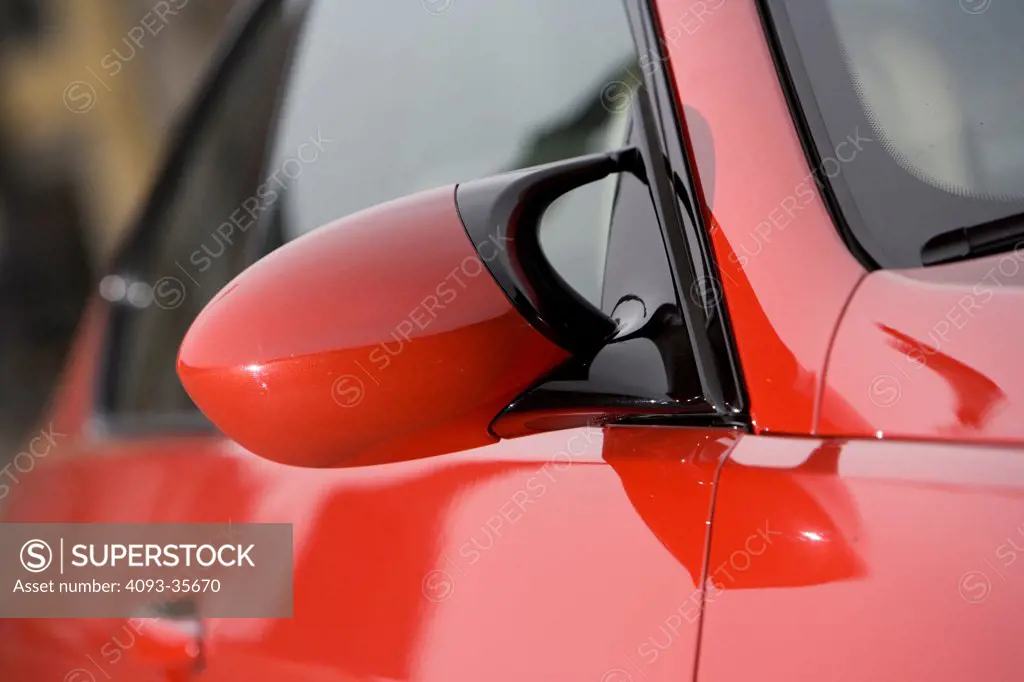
[372,102]
[916,109]
[413,100]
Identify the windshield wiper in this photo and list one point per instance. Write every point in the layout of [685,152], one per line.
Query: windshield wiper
[983,239]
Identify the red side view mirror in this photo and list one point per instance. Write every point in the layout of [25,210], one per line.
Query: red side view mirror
[399,332]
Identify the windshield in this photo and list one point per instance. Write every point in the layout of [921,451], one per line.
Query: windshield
[933,92]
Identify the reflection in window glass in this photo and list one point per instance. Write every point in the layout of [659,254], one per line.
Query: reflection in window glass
[192,255]
[415,101]
[943,89]
[930,94]
[398,100]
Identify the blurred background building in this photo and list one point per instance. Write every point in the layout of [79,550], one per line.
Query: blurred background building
[88,92]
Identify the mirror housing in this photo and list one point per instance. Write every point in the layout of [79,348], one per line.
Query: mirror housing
[399,332]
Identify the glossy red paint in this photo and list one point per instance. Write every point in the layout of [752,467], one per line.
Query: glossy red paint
[628,552]
[885,561]
[378,338]
[90,480]
[71,650]
[172,646]
[501,562]
[931,354]
[786,273]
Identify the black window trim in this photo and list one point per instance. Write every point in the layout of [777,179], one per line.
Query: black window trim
[685,230]
[244,25]
[810,125]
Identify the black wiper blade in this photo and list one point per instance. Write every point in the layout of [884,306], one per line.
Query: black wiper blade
[978,240]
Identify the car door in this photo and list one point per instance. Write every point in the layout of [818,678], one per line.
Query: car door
[576,553]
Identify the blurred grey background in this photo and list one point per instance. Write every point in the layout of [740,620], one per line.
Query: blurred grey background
[88,90]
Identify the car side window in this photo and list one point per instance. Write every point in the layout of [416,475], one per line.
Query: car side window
[375,101]
[460,94]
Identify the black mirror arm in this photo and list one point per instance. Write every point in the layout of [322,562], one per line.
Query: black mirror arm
[502,216]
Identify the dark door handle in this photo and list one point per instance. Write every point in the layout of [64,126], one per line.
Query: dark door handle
[171,636]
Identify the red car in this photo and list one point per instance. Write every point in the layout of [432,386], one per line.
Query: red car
[638,341]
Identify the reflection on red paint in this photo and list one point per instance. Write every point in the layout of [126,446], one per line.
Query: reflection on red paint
[774,528]
[977,396]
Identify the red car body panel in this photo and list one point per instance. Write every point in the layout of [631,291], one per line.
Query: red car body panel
[581,554]
[931,354]
[893,561]
[457,567]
